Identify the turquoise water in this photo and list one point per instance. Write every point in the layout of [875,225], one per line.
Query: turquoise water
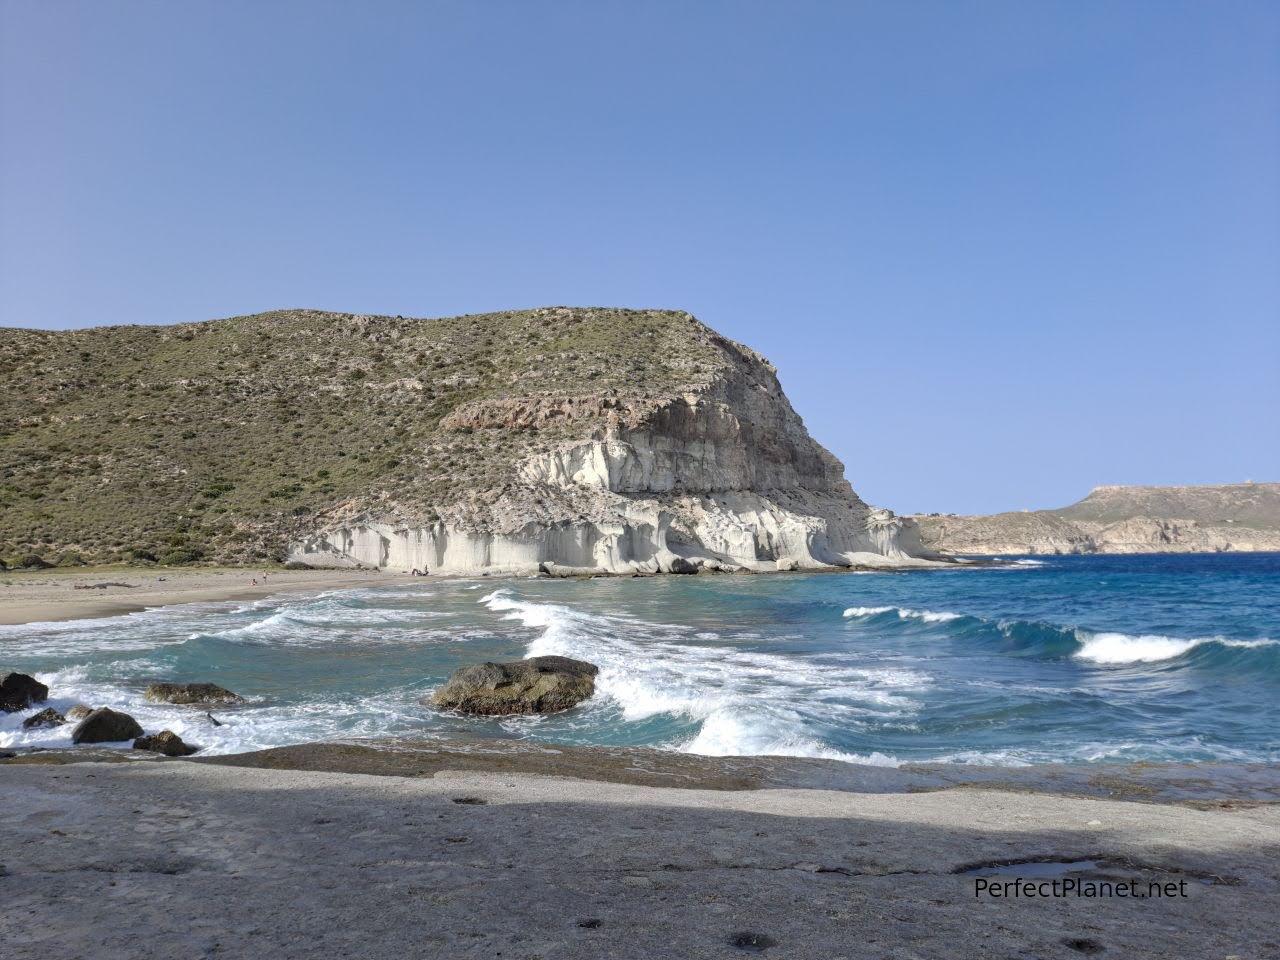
[1052,659]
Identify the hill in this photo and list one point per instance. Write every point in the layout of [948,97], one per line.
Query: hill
[1117,519]
[593,437]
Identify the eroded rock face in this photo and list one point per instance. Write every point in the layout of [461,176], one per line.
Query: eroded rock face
[166,742]
[198,694]
[719,472]
[48,717]
[536,685]
[105,725]
[19,691]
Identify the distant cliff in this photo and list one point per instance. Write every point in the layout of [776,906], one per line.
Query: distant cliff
[571,439]
[1207,519]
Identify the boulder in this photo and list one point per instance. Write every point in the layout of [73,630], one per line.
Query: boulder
[79,712]
[166,742]
[200,694]
[682,565]
[537,685]
[105,725]
[48,717]
[786,563]
[19,691]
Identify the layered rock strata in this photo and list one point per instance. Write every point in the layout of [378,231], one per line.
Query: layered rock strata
[720,476]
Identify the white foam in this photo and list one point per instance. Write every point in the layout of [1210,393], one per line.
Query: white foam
[745,702]
[256,725]
[1120,648]
[867,611]
[928,616]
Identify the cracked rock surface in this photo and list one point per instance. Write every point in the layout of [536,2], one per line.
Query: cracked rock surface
[174,859]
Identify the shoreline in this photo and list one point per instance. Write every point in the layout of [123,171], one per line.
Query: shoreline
[1204,784]
[479,863]
[45,596]
[50,596]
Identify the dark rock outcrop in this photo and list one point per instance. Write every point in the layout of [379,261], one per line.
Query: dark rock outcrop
[682,565]
[199,694]
[48,717]
[537,685]
[105,725]
[166,742]
[19,691]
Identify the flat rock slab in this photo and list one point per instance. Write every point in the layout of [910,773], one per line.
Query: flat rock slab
[176,859]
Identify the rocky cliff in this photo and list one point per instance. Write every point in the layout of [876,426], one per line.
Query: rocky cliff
[566,439]
[1206,519]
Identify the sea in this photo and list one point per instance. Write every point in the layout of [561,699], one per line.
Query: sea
[1031,660]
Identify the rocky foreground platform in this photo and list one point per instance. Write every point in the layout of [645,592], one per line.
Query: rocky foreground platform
[271,854]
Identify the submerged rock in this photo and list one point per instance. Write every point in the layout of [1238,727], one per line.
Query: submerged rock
[79,712]
[166,742]
[537,685]
[190,693]
[105,725]
[48,717]
[19,691]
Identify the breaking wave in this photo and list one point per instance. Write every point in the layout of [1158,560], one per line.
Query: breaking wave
[928,616]
[1120,648]
[1037,639]
[742,702]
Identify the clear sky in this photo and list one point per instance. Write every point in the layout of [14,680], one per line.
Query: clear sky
[999,252]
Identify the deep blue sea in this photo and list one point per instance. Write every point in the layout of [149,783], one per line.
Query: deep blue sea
[1037,660]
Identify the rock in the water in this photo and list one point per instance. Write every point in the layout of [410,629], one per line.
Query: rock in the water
[166,742]
[48,717]
[683,565]
[537,685]
[19,691]
[191,693]
[105,725]
[79,712]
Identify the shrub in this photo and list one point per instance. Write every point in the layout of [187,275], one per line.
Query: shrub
[181,555]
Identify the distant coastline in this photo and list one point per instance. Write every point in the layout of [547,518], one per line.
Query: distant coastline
[1222,518]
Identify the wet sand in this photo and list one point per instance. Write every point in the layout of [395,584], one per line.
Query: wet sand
[40,596]
[289,854]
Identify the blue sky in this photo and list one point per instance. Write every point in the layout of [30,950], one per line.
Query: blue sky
[999,252]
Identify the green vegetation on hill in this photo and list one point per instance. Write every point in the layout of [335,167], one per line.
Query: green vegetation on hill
[215,441]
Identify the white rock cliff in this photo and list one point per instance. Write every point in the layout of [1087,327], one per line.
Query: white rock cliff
[723,476]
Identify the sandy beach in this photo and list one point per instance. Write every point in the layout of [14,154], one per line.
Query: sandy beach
[47,595]
[175,859]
